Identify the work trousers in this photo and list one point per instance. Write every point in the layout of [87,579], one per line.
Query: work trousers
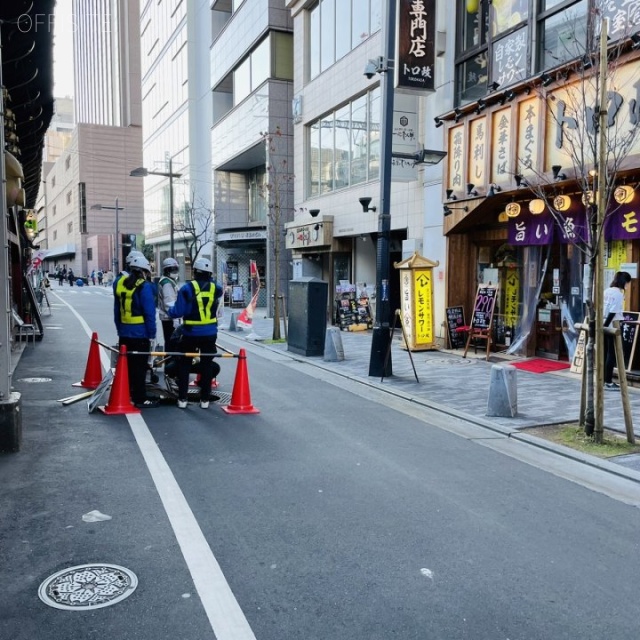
[190,344]
[137,367]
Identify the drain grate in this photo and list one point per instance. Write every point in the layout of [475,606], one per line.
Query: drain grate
[88,586]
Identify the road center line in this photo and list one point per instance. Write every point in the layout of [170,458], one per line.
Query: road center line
[224,613]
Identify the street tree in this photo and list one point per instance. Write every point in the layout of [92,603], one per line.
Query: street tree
[277,190]
[593,132]
[194,224]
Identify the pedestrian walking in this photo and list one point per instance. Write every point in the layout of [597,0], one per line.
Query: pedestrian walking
[60,275]
[167,296]
[93,277]
[100,276]
[71,277]
[135,320]
[613,306]
[197,304]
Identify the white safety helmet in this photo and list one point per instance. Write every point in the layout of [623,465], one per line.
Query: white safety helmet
[132,255]
[170,263]
[140,262]
[202,264]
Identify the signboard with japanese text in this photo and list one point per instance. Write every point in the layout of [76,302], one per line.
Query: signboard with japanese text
[455,324]
[416,45]
[629,331]
[528,135]
[404,136]
[456,158]
[478,150]
[483,307]
[510,58]
[511,296]
[416,299]
[502,164]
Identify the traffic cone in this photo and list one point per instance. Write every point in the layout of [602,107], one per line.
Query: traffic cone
[119,399]
[93,372]
[241,394]
[196,382]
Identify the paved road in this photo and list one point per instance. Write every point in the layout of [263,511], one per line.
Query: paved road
[337,512]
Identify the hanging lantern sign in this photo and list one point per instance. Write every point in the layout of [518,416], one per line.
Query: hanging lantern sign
[537,206]
[513,210]
[624,194]
[562,203]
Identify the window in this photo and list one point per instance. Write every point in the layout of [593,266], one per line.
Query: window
[253,71]
[89,253]
[258,203]
[68,197]
[55,234]
[70,228]
[67,163]
[494,39]
[54,209]
[337,27]
[344,146]
[53,182]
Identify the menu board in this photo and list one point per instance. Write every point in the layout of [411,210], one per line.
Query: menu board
[483,307]
[629,330]
[455,320]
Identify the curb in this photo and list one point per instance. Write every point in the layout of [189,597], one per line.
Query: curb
[516,434]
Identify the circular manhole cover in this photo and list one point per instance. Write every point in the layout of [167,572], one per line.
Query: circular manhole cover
[447,362]
[88,586]
[35,380]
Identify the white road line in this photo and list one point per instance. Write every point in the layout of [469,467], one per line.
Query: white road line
[224,613]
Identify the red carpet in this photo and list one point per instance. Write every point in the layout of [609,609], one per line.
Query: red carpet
[540,365]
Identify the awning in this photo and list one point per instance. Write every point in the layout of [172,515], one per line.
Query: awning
[62,250]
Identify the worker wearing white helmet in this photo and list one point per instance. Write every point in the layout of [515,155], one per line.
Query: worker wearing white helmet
[197,304]
[167,296]
[135,319]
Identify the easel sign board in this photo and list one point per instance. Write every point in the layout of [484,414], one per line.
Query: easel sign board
[577,362]
[455,319]
[629,331]
[483,307]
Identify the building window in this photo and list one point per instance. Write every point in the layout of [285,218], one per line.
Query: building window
[53,182]
[344,146]
[68,197]
[258,194]
[82,195]
[55,234]
[337,27]
[493,39]
[252,71]
[70,228]
[89,253]
[54,210]
[67,163]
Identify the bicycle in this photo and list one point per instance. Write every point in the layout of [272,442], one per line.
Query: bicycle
[42,298]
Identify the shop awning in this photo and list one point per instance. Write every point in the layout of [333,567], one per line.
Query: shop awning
[62,250]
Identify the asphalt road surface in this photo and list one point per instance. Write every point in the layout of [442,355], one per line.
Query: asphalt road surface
[335,513]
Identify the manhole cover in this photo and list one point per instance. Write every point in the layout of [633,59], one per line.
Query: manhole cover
[34,380]
[447,362]
[88,586]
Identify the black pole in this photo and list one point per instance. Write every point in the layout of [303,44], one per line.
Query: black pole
[171,238]
[381,337]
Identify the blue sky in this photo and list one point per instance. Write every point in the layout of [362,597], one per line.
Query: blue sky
[63,50]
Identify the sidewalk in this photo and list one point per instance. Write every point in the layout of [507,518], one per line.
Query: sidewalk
[455,385]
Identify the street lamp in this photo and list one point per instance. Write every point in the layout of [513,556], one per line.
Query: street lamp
[142,172]
[116,247]
[381,338]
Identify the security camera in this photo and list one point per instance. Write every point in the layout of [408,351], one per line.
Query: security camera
[370,69]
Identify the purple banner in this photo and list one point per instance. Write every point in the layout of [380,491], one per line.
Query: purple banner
[528,229]
[622,223]
[572,227]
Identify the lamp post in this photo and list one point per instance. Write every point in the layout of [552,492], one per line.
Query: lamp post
[116,244]
[381,338]
[142,172]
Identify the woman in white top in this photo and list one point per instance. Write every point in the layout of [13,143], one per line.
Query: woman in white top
[613,308]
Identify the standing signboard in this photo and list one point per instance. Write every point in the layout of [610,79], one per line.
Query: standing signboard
[416,291]
[482,318]
[456,326]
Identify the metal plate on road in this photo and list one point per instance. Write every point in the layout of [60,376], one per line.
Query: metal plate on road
[102,387]
[88,586]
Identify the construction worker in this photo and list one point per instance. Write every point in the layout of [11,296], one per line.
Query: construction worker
[135,319]
[167,296]
[197,304]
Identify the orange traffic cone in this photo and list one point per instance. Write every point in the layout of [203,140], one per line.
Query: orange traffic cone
[119,399]
[196,382]
[241,394]
[93,372]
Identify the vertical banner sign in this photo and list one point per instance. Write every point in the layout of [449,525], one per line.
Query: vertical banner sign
[246,315]
[423,320]
[416,44]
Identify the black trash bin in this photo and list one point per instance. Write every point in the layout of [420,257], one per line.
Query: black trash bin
[307,316]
